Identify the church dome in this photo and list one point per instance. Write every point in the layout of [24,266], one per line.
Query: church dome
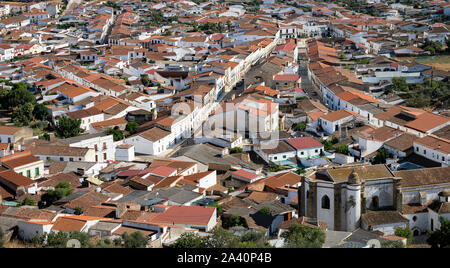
[354,178]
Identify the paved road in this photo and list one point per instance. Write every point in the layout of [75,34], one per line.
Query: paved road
[306,83]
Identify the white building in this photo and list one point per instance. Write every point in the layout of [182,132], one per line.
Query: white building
[433,148]
[101,143]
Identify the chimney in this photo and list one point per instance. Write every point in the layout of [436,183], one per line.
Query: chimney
[120,210]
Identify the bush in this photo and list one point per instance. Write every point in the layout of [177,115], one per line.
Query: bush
[441,237]
[236,150]
[78,211]
[63,189]
[189,240]
[276,168]
[404,232]
[300,127]
[266,210]
[117,134]
[327,145]
[68,127]
[131,127]
[381,156]
[135,240]
[302,236]
[342,149]
[28,202]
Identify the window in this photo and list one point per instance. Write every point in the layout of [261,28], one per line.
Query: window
[29,173]
[95,147]
[414,218]
[104,157]
[61,159]
[424,151]
[36,171]
[275,158]
[325,202]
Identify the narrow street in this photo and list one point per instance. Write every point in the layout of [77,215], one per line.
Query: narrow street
[306,83]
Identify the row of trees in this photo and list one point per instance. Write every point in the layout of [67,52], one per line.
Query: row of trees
[60,240]
[221,238]
[297,236]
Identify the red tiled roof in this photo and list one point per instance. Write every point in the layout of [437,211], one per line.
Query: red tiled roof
[304,143]
[286,77]
[245,174]
[196,215]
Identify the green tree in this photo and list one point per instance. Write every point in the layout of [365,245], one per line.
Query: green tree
[342,149]
[189,240]
[266,210]
[145,80]
[45,136]
[117,133]
[441,237]
[400,84]
[40,112]
[276,168]
[236,150]
[78,211]
[404,232]
[334,140]
[63,189]
[67,127]
[218,207]
[300,127]
[56,240]
[327,145]
[28,202]
[134,240]
[391,244]
[19,96]
[302,236]
[221,238]
[131,127]
[381,156]
[23,115]
[431,49]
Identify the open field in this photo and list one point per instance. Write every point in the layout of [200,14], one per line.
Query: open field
[441,62]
